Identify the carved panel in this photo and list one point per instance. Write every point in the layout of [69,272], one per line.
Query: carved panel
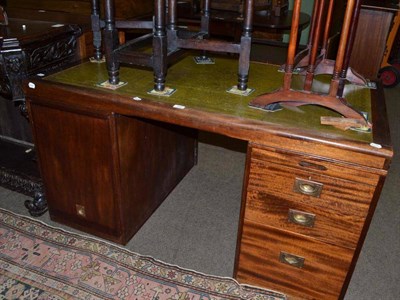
[13,67]
[51,53]
[5,88]
[20,183]
[18,62]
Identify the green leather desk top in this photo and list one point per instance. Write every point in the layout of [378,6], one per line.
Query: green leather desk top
[203,87]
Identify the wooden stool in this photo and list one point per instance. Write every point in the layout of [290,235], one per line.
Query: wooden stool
[167,41]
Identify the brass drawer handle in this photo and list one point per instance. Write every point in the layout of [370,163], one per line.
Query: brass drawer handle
[307,187]
[301,218]
[291,259]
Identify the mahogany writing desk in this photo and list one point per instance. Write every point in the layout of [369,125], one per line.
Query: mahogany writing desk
[108,159]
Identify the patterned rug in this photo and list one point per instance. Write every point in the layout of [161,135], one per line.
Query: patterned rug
[40,262]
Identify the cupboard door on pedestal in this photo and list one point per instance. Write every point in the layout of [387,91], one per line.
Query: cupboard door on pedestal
[77,167]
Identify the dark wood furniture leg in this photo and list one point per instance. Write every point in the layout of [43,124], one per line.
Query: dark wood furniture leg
[38,205]
[160,44]
[205,18]
[110,43]
[205,30]
[245,44]
[96,28]
[167,43]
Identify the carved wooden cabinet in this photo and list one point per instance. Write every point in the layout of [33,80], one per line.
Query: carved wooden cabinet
[105,173]
[28,48]
[304,216]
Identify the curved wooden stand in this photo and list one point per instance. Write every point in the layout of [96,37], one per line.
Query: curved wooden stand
[299,98]
[332,101]
[323,65]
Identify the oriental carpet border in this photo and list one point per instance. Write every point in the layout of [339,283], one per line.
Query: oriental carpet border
[40,262]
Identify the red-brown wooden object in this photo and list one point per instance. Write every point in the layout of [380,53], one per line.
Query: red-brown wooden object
[305,97]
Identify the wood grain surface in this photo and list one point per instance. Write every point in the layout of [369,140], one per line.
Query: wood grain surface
[118,170]
[321,277]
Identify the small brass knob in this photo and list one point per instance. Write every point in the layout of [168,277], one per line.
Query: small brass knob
[80,210]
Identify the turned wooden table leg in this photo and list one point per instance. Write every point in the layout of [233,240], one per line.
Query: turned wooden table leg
[96,28]
[349,46]
[314,47]
[287,81]
[172,25]
[347,23]
[205,17]
[245,44]
[302,58]
[325,65]
[172,14]
[159,46]
[327,28]
[322,64]
[110,43]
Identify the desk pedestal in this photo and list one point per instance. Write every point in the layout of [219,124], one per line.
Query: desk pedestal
[104,173]
[304,218]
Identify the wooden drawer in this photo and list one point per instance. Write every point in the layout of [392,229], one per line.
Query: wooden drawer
[260,263]
[275,197]
[318,165]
